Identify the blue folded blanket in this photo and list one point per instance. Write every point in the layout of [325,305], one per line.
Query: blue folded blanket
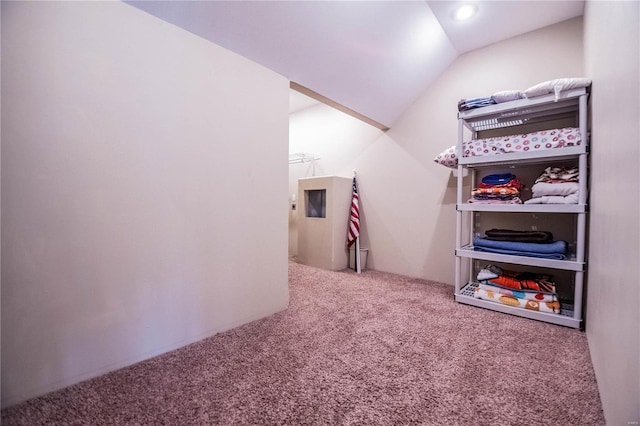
[498,179]
[557,256]
[554,250]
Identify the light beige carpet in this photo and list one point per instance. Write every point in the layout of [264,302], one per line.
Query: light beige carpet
[368,349]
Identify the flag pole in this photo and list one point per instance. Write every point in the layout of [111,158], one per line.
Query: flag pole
[357,250]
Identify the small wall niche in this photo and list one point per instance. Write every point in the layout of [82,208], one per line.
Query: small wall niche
[315,202]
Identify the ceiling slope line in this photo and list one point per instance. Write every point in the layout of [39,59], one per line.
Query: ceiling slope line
[320,98]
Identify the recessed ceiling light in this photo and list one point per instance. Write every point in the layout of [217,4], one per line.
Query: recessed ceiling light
[465,12]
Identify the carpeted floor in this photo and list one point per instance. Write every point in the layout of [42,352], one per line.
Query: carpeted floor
[368,349]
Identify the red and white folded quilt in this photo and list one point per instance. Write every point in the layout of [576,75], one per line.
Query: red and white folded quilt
[526,295]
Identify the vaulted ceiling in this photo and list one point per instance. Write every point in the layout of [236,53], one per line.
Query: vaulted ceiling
[373,57]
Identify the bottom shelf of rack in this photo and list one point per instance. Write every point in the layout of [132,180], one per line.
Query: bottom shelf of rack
[565,317]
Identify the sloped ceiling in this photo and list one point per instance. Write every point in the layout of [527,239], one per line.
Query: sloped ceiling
[374,57]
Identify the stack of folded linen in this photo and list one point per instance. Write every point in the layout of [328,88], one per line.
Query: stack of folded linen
[556,185]
[472,103]
[501,188]
[521,243]
[524,290]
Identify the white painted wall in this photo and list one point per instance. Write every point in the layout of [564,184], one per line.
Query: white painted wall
[0,209]
[612,60]
[341,142]
[143,191]
[426,206]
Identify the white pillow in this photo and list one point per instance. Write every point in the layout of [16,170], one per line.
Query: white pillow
[556,86]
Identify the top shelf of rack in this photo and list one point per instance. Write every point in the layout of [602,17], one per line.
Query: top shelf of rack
[523,111]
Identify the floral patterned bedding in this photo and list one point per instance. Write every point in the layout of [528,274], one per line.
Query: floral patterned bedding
[535,141]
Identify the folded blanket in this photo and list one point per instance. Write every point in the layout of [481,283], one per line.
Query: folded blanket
[525,295]
[520,236]
[513,183]
[467,104]
[512,200]
[503,190]
[533,305]
[487,196]
[555,256]
[559,174]
[516,281]
[507,96]
[523,284]
[554,247]
[541,189]
[554,199]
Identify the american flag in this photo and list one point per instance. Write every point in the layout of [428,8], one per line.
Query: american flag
[354,218]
